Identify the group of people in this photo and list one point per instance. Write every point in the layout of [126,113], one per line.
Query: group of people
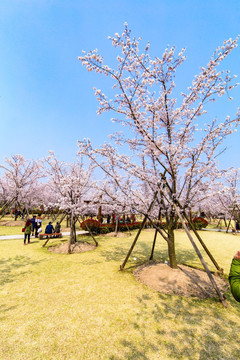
[36,222]
[121,220]
[50,229]
[34,226]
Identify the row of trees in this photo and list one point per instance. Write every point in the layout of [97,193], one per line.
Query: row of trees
[73,191]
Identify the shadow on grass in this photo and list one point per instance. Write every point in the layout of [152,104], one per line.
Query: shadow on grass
[194,335]
[4,309]
[142,252]
[118,253]
[9,266]
[141,255]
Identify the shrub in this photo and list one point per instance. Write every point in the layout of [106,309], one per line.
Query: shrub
[93,225]
[200,223]
[96,227]
[105,229]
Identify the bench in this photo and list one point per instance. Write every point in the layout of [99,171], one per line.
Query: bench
[41,235]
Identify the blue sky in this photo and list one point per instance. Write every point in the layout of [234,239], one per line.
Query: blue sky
[47,100]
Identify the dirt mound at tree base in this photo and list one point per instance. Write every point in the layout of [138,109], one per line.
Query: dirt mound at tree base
[78,247]
[184,281]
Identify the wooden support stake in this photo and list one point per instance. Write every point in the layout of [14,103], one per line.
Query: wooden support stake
[155,237]
[201,258]
[89,230]
[139,231]
[153,245]
[134,243]
[203,244]
[48,238]
[232,215]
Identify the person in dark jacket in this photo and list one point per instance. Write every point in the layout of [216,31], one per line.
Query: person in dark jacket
[49,229]
[34,224]
[57,228]
[237,226]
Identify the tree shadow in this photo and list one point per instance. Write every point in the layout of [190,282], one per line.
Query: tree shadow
[4,309]
[116,254]
[9,266]
[192,336]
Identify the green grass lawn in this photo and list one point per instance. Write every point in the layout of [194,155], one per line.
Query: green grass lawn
[80,306]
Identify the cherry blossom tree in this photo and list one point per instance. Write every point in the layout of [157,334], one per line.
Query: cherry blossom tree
[4,194]
[226,200]
[71,188]
[172,143]
[20,182]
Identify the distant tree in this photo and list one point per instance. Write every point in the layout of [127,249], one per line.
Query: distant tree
[228,197]
[19,184]
[70,187]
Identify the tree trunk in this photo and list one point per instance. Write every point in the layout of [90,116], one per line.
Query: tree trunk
[116,226]
[190,215]
[113,219]
[171,248]
[68,220]
[99,217]
[72,239]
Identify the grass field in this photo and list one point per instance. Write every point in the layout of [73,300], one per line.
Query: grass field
[82,307]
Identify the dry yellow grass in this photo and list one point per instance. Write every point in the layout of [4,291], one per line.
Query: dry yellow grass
[80,306]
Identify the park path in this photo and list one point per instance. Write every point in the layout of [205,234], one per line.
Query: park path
[12,237]
[217,230]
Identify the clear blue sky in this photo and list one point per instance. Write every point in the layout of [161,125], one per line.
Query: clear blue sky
[46,96]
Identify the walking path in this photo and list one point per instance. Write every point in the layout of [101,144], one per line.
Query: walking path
[10,237]
[218,230]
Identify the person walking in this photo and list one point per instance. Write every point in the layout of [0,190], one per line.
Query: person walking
[27,232]
[17,214]
[34,224]
[38,224]
[237,226]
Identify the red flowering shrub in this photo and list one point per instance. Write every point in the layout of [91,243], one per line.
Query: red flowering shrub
[96,227]
[93,225]
[200,223]
[104,228]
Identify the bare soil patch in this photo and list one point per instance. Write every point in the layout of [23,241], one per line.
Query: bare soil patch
[184,281]
[78,247]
